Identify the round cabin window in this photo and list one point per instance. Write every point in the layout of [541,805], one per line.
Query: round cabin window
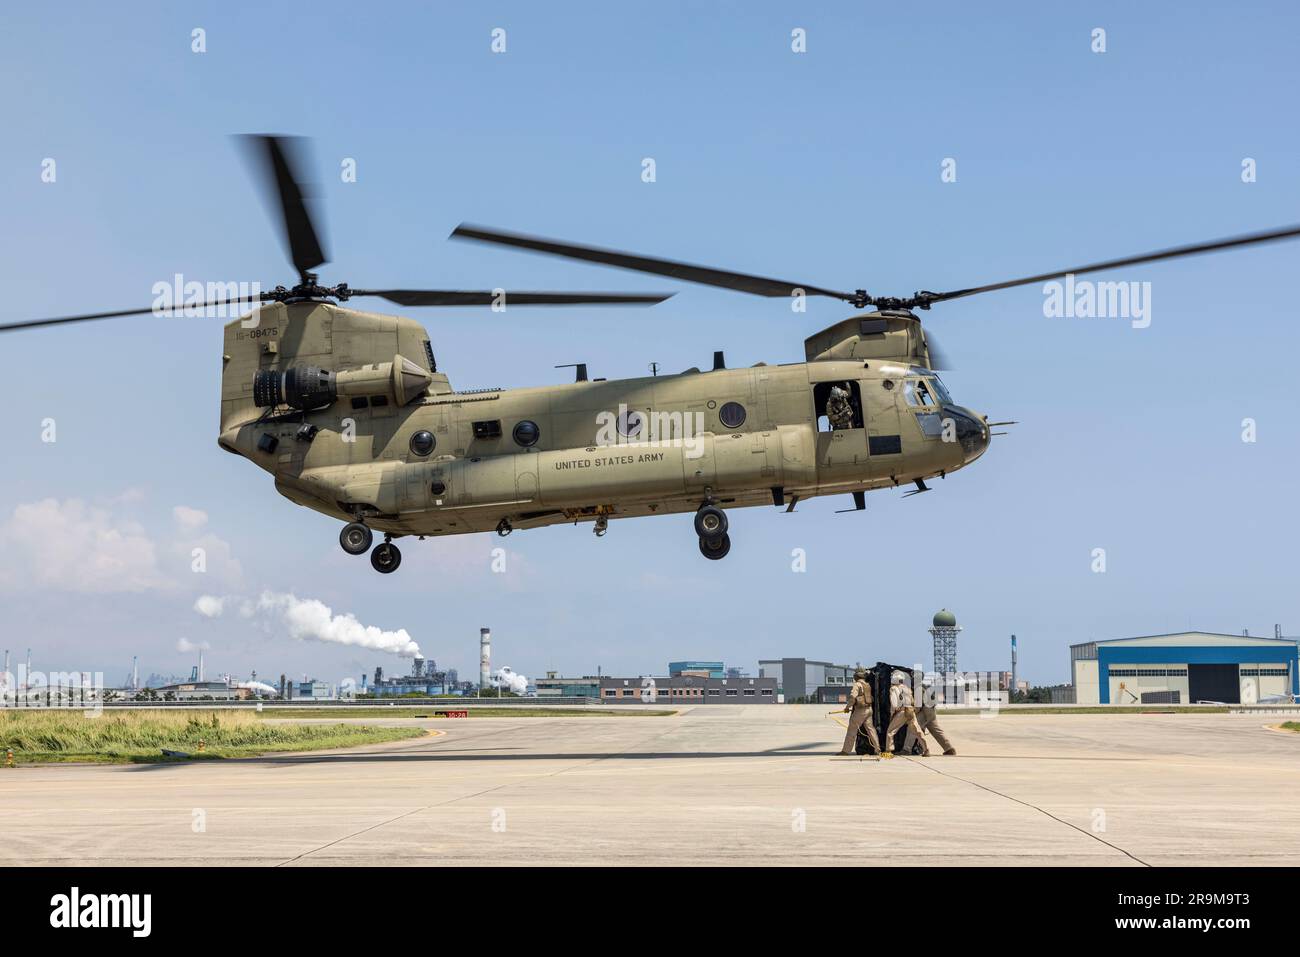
[527,433]
[732,415]
[423,442]
[629,423]
[437,488]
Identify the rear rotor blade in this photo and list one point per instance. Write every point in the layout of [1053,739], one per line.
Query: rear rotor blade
[741,282]
[276,164]
[92,316]
[462,297]
[1195,249]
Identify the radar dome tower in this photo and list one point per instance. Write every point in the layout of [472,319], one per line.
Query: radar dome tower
[944,632]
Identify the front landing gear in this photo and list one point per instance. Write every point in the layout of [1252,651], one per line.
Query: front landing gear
[711,527]
[715,548]
[385,558]
[710,522]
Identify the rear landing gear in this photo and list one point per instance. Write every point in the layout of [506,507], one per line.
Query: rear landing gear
[385,558]
[356,538]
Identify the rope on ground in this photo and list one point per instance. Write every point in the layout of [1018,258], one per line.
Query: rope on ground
[1027,804]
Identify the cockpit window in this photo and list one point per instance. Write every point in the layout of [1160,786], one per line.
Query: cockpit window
[917,393]
[935,382]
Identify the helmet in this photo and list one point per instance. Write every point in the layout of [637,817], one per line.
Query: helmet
[897,678]
[859,673]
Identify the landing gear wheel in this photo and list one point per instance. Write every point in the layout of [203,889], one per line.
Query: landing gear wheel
[602,526]
[356,538]
[715,548]
[385,558]
[710,522]
[504,527]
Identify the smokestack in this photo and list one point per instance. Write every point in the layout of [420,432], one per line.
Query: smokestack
[135,672]
[484,658]
[200,664]
[1013,665]
[27,678]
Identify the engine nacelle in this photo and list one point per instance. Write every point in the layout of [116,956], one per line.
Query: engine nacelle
[299,387]
[309,387]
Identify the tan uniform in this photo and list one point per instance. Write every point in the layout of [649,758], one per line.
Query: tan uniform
[859,708]
[927,719]
[902,712]
[839,410]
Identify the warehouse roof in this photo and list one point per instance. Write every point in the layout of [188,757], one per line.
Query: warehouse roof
[1187,638]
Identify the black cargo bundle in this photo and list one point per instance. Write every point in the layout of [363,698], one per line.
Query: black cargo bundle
[878,678]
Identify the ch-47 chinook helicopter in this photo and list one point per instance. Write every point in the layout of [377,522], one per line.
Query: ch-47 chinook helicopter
[349,413]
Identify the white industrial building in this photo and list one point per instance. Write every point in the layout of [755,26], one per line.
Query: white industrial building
[1185,668]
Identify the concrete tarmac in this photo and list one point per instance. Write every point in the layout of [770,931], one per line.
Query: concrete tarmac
[714,784]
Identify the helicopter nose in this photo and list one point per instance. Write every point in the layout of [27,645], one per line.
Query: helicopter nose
[972,431]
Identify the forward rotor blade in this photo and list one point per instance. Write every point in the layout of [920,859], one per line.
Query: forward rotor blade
[462,297]
[939,360]
[92,316]
[1196,249]
[741,282]
[275,163]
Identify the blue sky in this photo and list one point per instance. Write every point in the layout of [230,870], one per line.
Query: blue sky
[822,167]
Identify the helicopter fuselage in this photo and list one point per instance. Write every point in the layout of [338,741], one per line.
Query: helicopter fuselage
[440,462]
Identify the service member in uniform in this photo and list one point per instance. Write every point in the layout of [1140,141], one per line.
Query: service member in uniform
[902,711]
[860,716]
[927,719]
[839,410]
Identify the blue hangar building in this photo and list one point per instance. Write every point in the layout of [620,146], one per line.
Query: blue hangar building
[1185,668]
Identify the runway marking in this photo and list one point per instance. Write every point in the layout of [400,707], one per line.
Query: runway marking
[1035,807]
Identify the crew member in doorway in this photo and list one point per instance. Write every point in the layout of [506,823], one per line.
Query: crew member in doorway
[859,712]
[927,719]
[839,407]
[902,711]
